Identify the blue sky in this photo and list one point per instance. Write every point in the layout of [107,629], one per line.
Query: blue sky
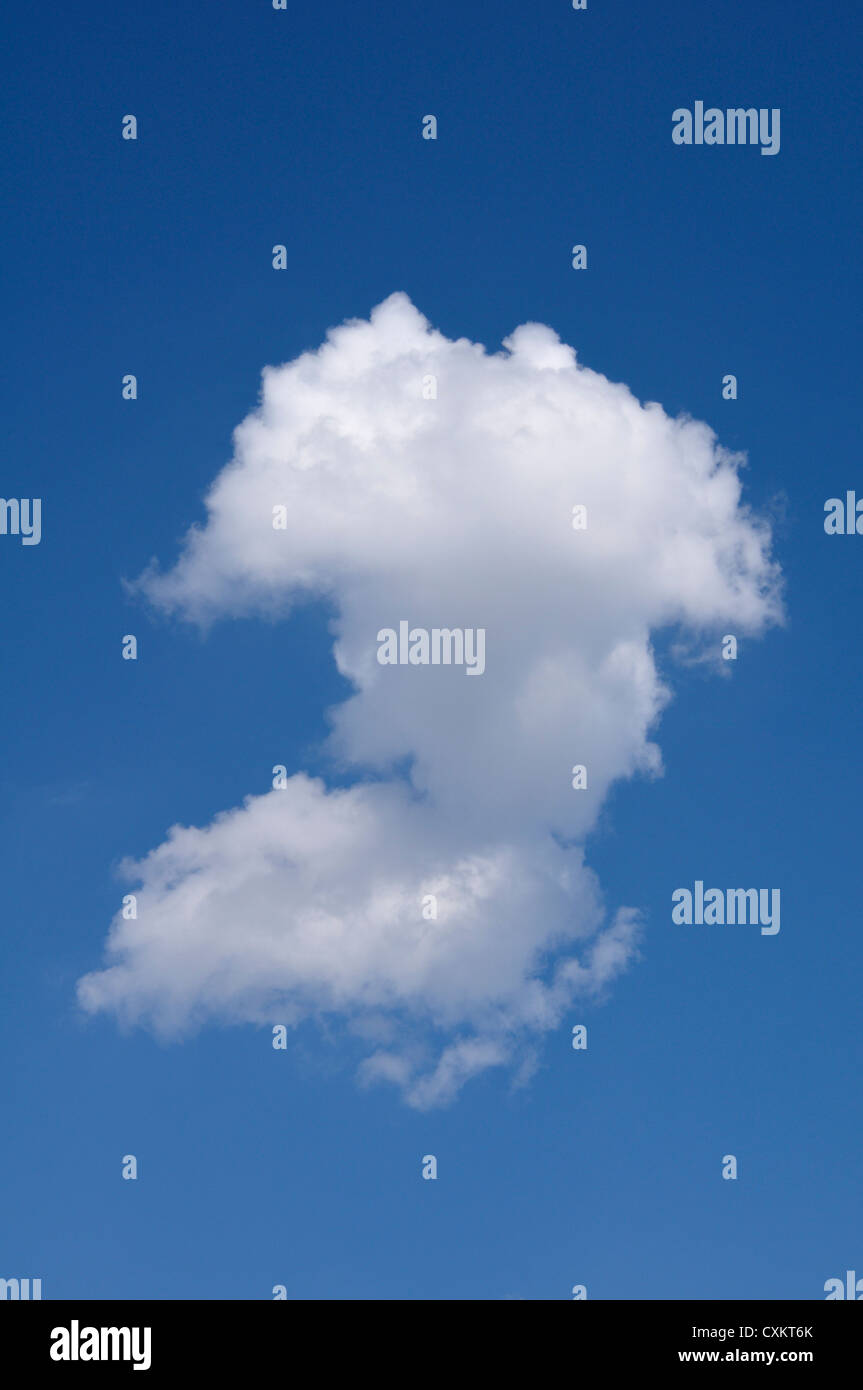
[259,127]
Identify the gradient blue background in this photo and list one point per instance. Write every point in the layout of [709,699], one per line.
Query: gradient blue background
[303,127]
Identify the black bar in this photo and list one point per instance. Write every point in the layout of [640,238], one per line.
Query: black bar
[410,1340]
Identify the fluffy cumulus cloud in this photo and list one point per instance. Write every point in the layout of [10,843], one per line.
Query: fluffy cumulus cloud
[448,510]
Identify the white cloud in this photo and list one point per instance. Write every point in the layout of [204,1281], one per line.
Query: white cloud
[452,512]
